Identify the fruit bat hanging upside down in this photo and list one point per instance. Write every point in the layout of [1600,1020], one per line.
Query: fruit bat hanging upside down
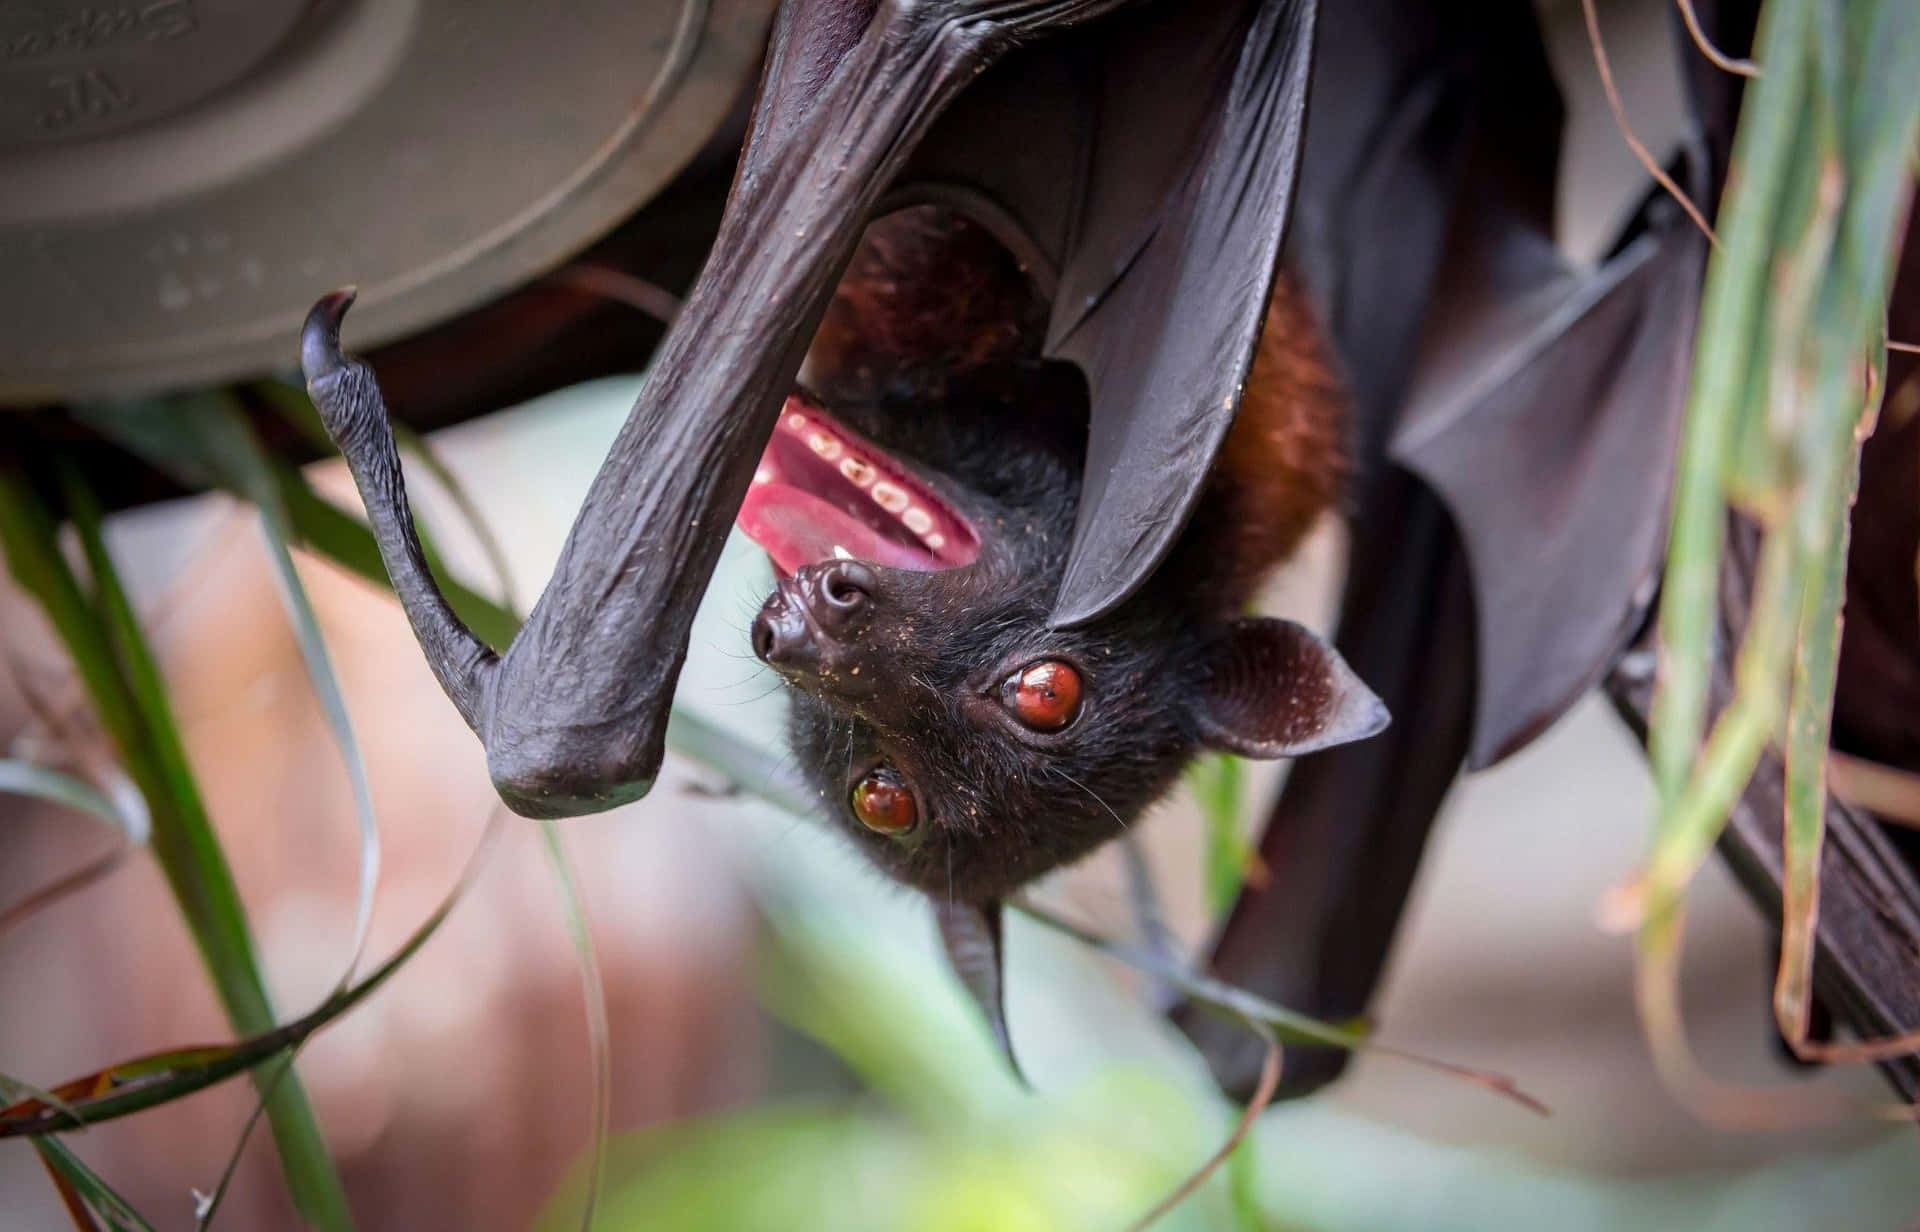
[1012,507]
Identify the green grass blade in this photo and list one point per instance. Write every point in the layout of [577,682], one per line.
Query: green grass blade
[81,1184]
[1218,781]
[1730,322]
[599,1029]
[129,696]
[158,1078]
[128,817]
[24,778]
[239,462]
[88,1198]
[1815,667]
[330,531]
[1793,321]
[293,405]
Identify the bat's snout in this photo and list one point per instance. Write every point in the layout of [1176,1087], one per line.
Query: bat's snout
[812,628]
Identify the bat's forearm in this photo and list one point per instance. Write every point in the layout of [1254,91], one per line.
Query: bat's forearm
[574,715]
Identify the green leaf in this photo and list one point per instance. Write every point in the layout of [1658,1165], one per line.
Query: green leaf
[1218,781]
[128,817]
[599,1030]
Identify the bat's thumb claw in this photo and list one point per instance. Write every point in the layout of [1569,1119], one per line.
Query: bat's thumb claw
[320,337]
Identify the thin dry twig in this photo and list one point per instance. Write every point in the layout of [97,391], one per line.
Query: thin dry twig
[621,287]
[1241,1004]
[1719,59]
[1890,793]
[1262,1097]
[1640,151]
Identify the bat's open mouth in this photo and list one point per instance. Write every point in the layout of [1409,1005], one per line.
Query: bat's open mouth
[823,491]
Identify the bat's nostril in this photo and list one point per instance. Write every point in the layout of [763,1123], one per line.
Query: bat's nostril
[781,638]
[847,585]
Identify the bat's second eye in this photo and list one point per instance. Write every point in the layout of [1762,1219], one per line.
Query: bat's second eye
[1045,696]
[883,803]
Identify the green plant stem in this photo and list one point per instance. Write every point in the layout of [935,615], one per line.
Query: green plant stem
[129,697]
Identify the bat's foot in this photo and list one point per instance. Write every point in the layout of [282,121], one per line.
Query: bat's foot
[348,398]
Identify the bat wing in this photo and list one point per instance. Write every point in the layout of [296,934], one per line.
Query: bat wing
[1547,417]
[1164,325]
[1143,171]
[1517,419]
[1140,155]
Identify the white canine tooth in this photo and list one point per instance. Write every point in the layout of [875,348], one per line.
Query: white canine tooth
[823,445]
[888,497]
[858,473]
[918,520]
[936,541]
[840,553]
[763,475]
[796,421]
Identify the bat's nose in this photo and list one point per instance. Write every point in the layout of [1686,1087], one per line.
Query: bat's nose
[814,619]
[815,626]
[781,638]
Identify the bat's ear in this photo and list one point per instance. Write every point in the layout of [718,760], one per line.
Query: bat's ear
[972,938]
[1271,688]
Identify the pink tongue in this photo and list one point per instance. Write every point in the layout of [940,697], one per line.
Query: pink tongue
[798,528]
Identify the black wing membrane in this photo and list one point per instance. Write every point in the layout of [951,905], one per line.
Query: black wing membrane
[1510,512]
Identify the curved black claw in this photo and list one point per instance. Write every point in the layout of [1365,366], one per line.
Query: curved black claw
[320,337]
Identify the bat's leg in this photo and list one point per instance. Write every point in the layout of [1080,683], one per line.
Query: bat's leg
[1144,899]
[1345,837]
[972,936]
[349,402]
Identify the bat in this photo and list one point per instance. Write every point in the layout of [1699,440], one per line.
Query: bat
[918,502]
[1142,162]
[1518,421]
[1148,190]
[1511,511]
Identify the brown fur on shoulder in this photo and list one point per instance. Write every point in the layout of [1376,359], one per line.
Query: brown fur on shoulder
[1285,459]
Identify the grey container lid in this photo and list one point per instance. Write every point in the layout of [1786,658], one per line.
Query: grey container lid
[181,179]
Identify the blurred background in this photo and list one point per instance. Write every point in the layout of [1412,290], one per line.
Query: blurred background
[788,1047]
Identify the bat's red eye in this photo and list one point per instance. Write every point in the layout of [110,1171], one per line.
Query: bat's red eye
[1045,695]
[882,802]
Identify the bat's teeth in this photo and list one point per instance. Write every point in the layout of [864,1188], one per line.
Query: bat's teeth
[889,497]
[856,472]
[936,541]
[840,553]
[823,445]
[763,475]
[796,421]
[917,520]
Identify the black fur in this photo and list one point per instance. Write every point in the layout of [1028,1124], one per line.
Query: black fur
[999,804]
